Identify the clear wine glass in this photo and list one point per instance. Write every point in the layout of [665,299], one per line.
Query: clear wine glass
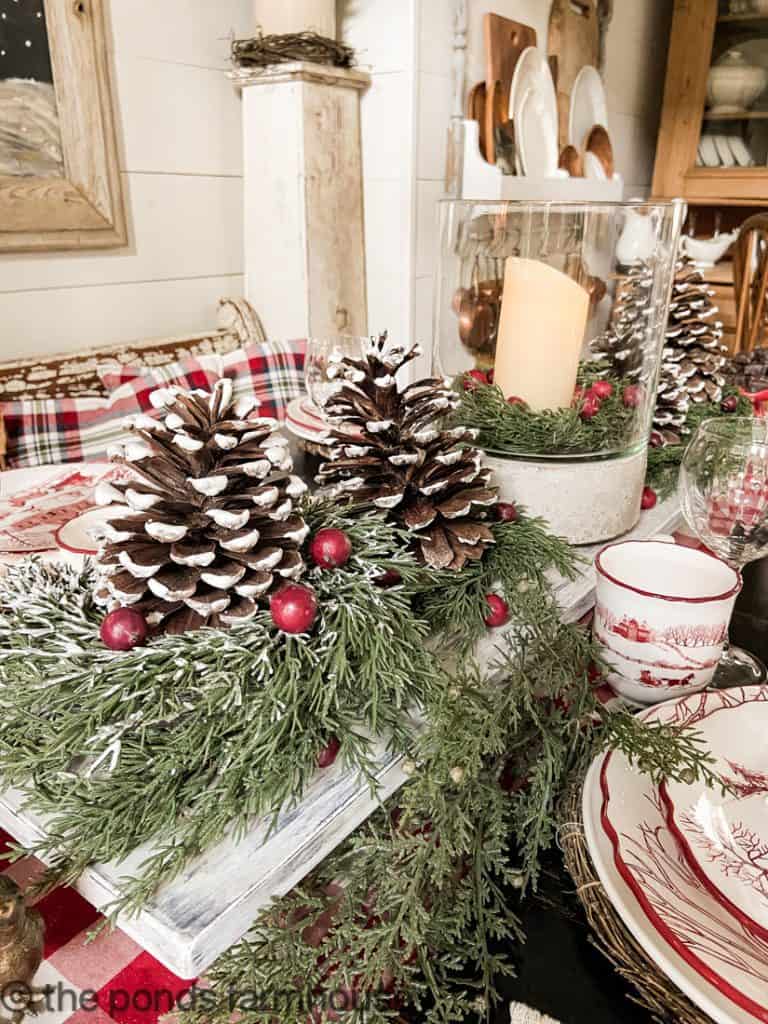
[319,350]
[723,491]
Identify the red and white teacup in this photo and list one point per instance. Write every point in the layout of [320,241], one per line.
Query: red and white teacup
[662,617]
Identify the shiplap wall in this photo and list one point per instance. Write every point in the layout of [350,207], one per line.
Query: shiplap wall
[181,160]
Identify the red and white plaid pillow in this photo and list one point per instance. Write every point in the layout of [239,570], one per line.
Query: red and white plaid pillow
[50,430]
[271,370]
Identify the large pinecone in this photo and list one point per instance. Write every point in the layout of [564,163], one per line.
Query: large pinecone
[210,525]
[693,359]
[390,448]
[622,345]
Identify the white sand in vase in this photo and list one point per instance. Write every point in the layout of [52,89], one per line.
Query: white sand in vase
[30,141]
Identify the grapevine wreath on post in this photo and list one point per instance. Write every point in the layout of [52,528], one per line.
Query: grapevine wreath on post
[246,681]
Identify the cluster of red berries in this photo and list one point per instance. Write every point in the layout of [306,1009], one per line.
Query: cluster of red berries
[588,402]
[474,378]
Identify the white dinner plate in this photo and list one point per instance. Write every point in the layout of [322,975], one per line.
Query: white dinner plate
[588,105]
[724,835]
[727,158]
[79,538]
[533,106]
[740,152]
[704,950]
[709,154]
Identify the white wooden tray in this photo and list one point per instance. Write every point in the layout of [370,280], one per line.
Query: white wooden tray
[213,903]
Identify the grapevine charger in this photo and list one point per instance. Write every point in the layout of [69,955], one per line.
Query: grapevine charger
[280,631]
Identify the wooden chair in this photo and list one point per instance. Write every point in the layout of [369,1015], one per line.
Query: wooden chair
[750,278]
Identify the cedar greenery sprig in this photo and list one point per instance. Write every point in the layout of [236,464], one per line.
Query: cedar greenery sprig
[515,429]
[664,461]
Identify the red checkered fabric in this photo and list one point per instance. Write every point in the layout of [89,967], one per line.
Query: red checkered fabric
[50,430]
[271,370]
[111,980]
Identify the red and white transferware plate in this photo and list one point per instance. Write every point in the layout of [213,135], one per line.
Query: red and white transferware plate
[720,965]
[36,502]
[724,835]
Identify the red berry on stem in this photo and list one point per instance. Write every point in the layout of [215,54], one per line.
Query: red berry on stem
[516,400]
[473,378]
[632,395]
[498,613]
[729,404]
[506,511]
[601,389]
[330,549]
[124,629]
[490,376]
[390,578]
[649,498]
[329,753]
[590,407]
[293,608]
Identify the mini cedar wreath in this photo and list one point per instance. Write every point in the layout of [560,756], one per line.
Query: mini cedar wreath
[210,525]
[389,447]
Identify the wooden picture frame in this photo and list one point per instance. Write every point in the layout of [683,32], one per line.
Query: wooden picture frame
[82,209]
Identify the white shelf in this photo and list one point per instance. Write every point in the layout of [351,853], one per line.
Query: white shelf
[483,181]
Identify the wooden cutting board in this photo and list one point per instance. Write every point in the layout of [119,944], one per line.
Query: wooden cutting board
[574,41]
[505,40]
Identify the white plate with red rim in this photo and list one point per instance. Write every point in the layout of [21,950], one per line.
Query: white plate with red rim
[702,948]
[724,835]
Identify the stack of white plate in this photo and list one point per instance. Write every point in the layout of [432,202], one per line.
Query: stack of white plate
[686,866]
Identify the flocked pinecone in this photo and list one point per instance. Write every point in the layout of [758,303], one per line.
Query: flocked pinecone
[211,526]
[622,345]
[390,447]
[693,359]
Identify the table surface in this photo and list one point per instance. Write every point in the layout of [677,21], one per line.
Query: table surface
[212,904]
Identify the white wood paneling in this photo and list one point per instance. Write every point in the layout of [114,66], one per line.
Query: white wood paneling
[382,32]
[183,226]
[67,319]
[177,118]
[436,35]
[428,194]
[180,31]
[434,117]
[388,242]
[386,118]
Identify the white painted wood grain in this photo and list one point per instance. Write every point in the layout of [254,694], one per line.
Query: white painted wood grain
[435,36]
[388,245]
[434,115]
[177,118]
[66,319]
[183,226]
[386,116]
[194,32]
[428,195]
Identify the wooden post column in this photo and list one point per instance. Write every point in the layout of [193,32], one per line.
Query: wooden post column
[303,198]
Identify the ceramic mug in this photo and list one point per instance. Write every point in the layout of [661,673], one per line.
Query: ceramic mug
[662,617]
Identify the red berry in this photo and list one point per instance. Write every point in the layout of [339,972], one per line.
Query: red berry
[729,404]
[516,400]
[473,378]
[601,389]
[330,549]
[293,608]
[124,629]
[590,407]
[490,376]
[390,578]
[649,498]
[632,395]
[657,439]
[507,512]
[498,613]
[329,753]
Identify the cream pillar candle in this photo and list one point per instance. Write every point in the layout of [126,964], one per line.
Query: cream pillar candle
[543,318]
[276,17]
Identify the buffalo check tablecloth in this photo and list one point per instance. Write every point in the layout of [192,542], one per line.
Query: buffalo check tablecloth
[110,979]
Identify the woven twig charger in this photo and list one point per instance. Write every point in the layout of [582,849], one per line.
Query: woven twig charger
[653,989]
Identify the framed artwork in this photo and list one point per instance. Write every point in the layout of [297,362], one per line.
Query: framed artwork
[59,178]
